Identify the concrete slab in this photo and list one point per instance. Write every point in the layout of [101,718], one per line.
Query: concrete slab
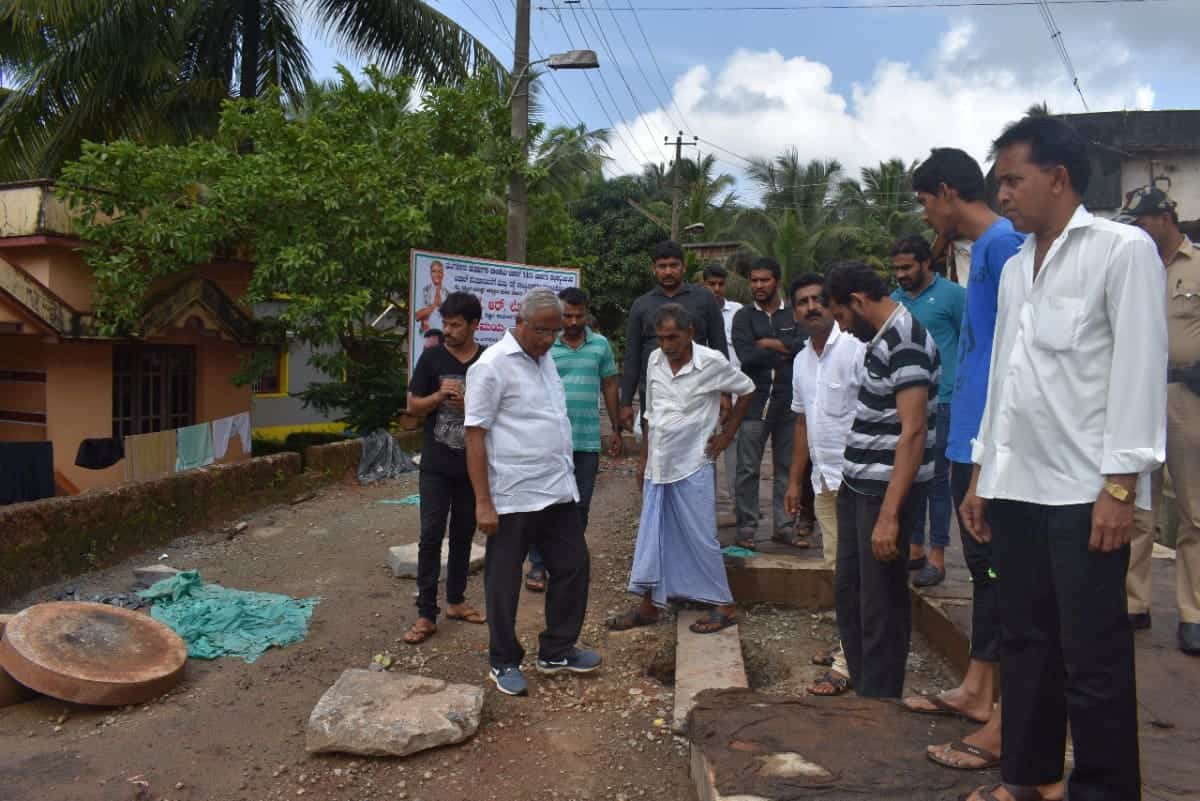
[402,559]
[703,662]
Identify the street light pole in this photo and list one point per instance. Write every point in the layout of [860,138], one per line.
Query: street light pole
[518,195]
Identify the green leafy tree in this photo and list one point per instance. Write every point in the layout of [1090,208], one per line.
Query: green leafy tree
[158,70]
[330,206]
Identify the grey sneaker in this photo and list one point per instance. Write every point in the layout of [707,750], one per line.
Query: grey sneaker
[576,661]
[510,680]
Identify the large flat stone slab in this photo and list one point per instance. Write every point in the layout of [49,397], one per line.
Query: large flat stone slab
[752,747]
[402,559]
[703,662]
[392,714]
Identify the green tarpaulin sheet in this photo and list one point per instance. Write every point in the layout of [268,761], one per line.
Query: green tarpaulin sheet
[216,621]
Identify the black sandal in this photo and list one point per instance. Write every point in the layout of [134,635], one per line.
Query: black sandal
[839,683]
[745,542]
[716,620]
[630,620]
[535,580]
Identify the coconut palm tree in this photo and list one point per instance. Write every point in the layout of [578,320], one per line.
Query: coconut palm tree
[158,70]
[571,156]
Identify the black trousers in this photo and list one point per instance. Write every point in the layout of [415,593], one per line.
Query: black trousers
[985,611]
[442,498]
[557,531]
[1066,653]
[874,611]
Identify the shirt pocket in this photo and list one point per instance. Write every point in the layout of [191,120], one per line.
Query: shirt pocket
[1184,301]
[1056,322]
[839,399]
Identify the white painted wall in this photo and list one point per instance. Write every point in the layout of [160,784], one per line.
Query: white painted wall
[1184,171]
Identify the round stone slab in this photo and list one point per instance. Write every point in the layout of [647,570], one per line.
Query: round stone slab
[92,653]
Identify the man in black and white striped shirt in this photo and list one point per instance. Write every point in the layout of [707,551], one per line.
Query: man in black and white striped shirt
[889,461]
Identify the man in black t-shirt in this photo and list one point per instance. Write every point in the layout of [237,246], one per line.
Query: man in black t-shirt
[436,392]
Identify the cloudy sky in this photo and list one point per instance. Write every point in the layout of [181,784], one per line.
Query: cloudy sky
[859,85]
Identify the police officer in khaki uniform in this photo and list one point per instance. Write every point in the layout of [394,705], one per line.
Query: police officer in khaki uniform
[1151,210]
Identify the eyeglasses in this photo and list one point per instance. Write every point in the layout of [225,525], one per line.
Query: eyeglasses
[546,332]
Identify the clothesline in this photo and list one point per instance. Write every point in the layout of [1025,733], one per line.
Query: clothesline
[163,453]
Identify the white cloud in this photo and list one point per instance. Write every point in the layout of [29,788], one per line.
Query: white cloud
[762,102]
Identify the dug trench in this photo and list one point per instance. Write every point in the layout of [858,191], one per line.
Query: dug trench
[234,731]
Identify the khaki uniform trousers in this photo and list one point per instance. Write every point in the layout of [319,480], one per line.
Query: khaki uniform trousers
[1183,460]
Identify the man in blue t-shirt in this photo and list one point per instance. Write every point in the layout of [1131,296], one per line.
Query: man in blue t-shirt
[938,305]
[951,189]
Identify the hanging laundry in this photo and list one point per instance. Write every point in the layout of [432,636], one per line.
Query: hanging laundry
[149,456]
[98,453]
[224,429]
[193,447]
[26,471]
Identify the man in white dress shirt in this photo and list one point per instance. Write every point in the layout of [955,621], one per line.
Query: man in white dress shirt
[1075,411]
[519,457]
[825,384]
[677,554]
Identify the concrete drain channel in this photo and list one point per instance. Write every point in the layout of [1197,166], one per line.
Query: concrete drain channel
[772,754]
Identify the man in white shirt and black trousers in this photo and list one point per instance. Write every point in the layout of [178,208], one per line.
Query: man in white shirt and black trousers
[1075,411]
[520,460]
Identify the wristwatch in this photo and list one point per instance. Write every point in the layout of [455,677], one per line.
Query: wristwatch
[1117,491]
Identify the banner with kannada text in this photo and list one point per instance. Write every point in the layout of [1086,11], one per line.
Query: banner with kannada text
[499,285]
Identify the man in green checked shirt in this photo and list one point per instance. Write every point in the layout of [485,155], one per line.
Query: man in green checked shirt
[585,363]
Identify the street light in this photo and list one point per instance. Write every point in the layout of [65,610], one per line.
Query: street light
[518,196]
[570,60]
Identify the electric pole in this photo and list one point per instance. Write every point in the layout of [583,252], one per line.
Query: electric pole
[518,195]
[679,145]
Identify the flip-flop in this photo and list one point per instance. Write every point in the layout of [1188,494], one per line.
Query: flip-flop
[940,708]
[716,619]
[1019,792]
[793,540]
[745,542]
[630,620]
[471,616]
[990,760]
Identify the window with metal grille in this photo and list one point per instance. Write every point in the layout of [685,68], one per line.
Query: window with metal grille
[154,388]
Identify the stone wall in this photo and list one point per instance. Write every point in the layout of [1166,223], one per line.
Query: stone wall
[47,540]
[336,460]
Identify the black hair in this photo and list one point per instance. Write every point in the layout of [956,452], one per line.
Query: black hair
[807,279]
[574,296]
[436,332]
[667,250]
[1051,143]
[461,304]
[715,271]
[673,311]
[843,278]
[954,168]
[767,263]
[914,246]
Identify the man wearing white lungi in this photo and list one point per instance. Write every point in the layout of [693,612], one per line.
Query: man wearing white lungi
[677,554]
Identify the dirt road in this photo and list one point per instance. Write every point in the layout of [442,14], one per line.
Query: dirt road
[236,731]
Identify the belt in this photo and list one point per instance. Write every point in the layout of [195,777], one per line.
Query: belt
[1177,375]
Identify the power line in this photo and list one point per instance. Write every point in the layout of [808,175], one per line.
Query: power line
[644,159]
[654,60]
[1056,36]
[848,6]
[599,30]
[638,63]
